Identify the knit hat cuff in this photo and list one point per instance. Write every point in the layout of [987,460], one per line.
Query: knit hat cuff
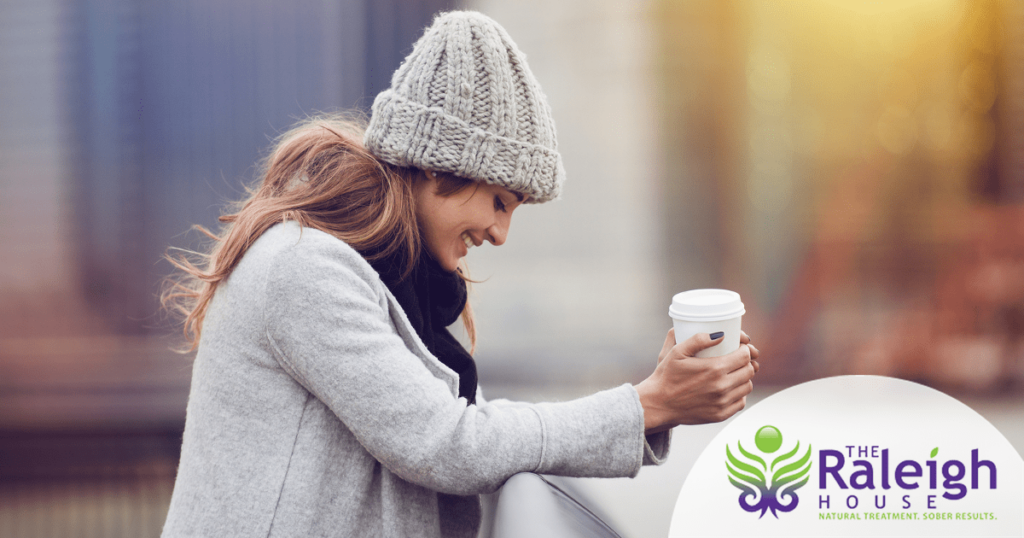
[407,133]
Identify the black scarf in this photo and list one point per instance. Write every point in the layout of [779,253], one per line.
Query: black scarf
[432,299]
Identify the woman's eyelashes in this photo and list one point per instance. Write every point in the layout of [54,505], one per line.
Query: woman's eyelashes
[498,204]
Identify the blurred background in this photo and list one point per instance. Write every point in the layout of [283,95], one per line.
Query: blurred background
[854,169]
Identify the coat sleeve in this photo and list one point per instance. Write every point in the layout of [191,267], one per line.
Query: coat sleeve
[656,446]
[329,331]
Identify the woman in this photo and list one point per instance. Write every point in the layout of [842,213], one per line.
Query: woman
[327,396]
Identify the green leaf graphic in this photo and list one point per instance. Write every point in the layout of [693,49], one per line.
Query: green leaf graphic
[740,474]
[735,475]
[799,485]
[743,466]
[779,479]
[751,456]
[934,452]
[742,486]
[786,456]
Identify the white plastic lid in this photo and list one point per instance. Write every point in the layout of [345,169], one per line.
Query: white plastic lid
[706,305]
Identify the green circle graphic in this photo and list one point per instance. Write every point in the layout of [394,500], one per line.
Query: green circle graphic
[768,439]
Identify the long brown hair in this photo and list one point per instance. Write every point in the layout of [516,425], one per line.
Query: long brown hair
[319,175]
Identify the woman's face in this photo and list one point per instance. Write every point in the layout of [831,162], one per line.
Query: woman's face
[451,225]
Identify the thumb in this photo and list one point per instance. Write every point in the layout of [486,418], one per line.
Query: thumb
[699,342]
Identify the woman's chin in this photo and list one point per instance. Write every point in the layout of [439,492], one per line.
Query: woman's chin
[450,264]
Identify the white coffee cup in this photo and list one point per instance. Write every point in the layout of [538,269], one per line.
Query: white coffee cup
[708,311]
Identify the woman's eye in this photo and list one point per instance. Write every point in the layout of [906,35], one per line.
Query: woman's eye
[498,204]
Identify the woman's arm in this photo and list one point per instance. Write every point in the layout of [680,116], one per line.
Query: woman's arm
[331,332]
[656,443]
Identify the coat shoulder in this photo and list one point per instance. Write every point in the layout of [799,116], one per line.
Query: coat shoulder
[292,248]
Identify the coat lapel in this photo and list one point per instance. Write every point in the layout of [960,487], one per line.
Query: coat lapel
[413,342]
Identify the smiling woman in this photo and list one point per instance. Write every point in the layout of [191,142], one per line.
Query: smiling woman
[453,222]
[328,397]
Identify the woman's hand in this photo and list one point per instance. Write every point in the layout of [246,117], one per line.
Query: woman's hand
[685,389]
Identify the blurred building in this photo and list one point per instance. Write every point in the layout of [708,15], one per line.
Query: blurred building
[123,123]
[865,165]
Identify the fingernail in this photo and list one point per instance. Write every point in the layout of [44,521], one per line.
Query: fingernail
[717,335]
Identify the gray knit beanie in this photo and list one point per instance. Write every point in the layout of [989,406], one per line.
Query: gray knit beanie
[465,102]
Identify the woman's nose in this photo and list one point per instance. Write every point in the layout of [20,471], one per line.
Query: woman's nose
[497,233]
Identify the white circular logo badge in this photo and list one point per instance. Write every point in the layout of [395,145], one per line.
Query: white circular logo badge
[855,456]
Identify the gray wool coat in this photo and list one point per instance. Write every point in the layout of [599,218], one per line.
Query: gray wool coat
[315,410]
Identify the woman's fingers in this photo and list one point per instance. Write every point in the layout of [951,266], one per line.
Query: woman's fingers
[739,376]
[737,393]
[733,400]
[723,405]
[701,341]
[754,355]
[736,360]
[733,408]
[670,342]
[696,343]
